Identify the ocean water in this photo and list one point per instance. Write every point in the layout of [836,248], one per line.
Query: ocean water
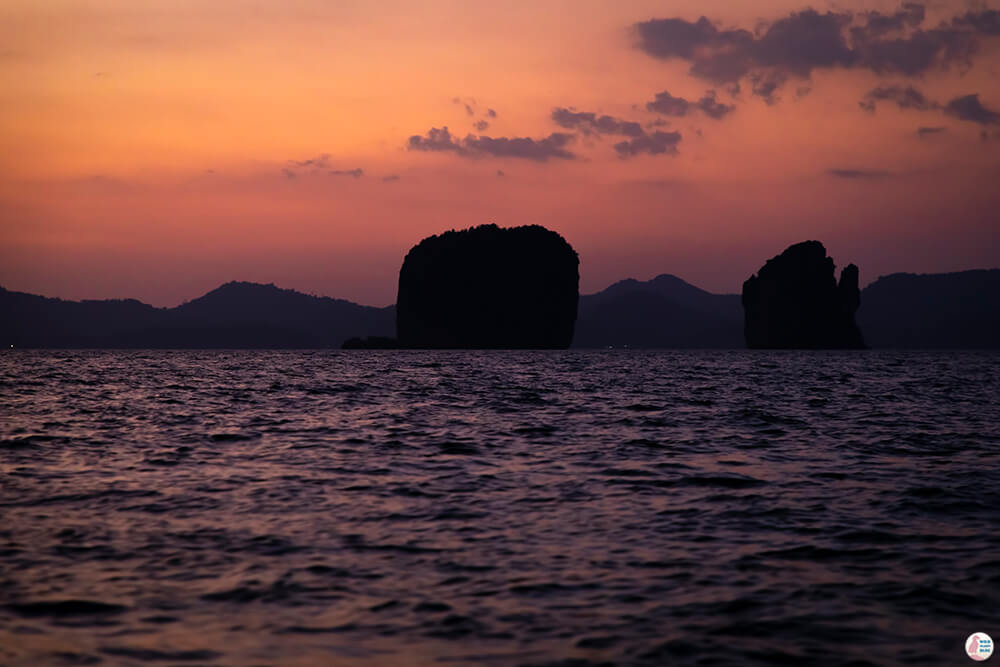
[573,508]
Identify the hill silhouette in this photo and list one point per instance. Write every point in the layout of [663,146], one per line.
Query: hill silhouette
[664,312]
[944,310]
[903,310]
[235,315]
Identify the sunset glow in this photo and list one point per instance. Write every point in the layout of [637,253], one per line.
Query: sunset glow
[157,149]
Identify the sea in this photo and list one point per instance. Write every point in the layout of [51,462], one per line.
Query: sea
[545,508]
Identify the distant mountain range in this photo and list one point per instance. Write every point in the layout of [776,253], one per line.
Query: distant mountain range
[235,315]
[903,310]
[942,310]
[662,312]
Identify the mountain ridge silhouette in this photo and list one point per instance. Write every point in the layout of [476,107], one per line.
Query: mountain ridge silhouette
[901,310]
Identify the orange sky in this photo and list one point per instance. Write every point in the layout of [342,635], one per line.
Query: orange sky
[156,149]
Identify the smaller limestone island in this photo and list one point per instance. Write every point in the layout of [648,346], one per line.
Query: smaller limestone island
[489,287]
[795,302]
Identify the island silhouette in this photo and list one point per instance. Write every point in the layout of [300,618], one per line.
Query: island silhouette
[489,287]
[795,301]
[903,310]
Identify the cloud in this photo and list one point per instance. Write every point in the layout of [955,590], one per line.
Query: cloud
[481,125]
[986,21]
[391,178]
[289,174]
[857,174]
[910,15]
[657,143]
[353,173]
[491,113]
[590,123]
[321,161]
[668,105]
[928,131]
[804,41]
[638,140]
[968,107]
[500,172]
[965,107]
[905,98]
[796,45]
[436,140]
[539,150]
[917,53]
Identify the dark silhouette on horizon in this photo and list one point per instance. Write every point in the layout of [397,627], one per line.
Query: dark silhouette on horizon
[665,312]
[489,287]
[234,315]
[943,310]
[795,302]
[902,310]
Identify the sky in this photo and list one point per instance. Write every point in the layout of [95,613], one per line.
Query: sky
[155,149]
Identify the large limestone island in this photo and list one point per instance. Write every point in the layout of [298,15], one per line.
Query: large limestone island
[489,287]
[794,301]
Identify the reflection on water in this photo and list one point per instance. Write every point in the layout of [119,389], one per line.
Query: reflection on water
[498,508]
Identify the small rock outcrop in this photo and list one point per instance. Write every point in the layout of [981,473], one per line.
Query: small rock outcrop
[794,301]
[489,287]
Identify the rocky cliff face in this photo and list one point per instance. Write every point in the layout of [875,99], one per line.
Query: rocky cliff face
[489,287]
[794,301]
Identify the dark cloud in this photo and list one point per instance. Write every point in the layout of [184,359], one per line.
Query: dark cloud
[668,105]
[766,85]
[857,174]
[711,108]
[986,21]
[910,15]
[539,150]
[657,143]
[590,123]
[436,140]
[795,44]
[467,103]
[481,125]
[918,52]
[321,161]
[968,107]
[638,140]
[928,131]
[802,42]
[315,165]
[353,173]
[677,38]
[391,178]
[491,113]
[906,97]
[500,172]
